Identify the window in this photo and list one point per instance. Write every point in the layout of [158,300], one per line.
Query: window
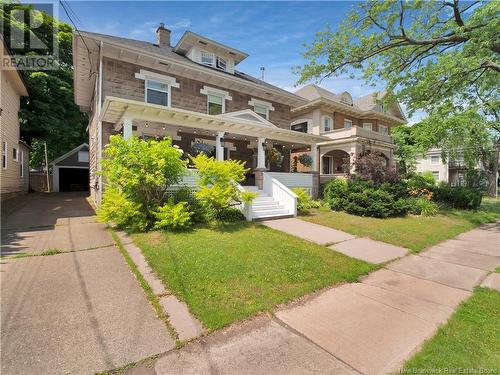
[15,154]
[301,128]
[435,159]
[83,156]
[326,162]
[215,104]
[21,167]
[327,124]
[207,58]
[221,63]
[4,155]
[367,126]
[261,108]
[347,124]
[435,174]
[156,93]
[382,129]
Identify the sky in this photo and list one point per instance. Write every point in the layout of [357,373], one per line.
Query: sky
[272,33]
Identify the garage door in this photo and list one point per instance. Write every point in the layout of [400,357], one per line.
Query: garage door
[73,179]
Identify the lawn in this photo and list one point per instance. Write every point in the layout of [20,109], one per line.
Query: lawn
[229,272]
[470,340]
[413,232]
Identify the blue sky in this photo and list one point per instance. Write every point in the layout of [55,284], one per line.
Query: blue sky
[272,33]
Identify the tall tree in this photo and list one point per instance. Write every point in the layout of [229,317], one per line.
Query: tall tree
[442,57]
[49,114]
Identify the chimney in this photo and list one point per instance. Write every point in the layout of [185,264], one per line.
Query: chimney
[163,36]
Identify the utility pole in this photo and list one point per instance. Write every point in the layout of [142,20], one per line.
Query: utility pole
[47,168]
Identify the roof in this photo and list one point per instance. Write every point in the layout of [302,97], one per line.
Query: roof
[169,53]
[69,153]
[313,92]
[190,38]
[369,101]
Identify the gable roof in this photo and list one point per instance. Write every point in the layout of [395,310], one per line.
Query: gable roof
[69,153]
[247,115]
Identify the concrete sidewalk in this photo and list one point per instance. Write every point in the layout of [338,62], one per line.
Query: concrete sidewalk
[79,312]
[360,248]
[370,327]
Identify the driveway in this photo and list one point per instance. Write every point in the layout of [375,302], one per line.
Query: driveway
[77,312]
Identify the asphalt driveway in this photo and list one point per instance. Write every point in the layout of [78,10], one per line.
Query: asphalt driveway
[77,312]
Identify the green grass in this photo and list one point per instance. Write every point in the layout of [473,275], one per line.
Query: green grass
[471,338]
[229,272]
[51,251]
[413,232]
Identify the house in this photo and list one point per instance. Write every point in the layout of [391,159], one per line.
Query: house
[352,126]
[15,153]
[193,92]
[70,172]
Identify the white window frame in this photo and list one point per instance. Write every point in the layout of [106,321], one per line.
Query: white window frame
[330,120]
[221,59]
[16,158]
[432,157]
[5,152]
[370,128]
[206,90]
[347,121]
[223,102]
[438,175]
[22,164]
[386,132]
[82,152]
[207,54]
[146,76]
[260,103]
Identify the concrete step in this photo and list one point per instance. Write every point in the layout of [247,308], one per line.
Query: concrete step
[268,208]
[265,203]
[264,199]
[258,214]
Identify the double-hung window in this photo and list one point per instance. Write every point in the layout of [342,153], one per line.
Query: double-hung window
[215,104]
[261,110]
[221,63]
[327,123]
[207,58]
[435,159]
[367,126]
[157,92]
[261,107]
[15,154]
[4,155]
[382,129]
[347,124]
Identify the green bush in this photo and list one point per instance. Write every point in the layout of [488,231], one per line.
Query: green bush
[118,208]
[423,206]
[229,215]
[305,201]
[187,195]
[173,216]
[335,193]
[420,181]
[458,197]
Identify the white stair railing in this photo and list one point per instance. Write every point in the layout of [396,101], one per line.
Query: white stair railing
[245,207]
[280,193]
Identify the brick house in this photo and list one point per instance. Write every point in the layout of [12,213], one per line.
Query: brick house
[15,153]
[193,93]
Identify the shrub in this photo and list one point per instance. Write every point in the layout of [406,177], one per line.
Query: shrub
[187,195]
[218,181]
[372,167]
[229,215]
[420,181]
[422,206]
[335,193]
[305,201]
[118,208]
[173,216]
[458,197]
[139,172]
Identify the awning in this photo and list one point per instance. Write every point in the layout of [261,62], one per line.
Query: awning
[115,110]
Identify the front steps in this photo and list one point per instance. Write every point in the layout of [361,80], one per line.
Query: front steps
[265,206]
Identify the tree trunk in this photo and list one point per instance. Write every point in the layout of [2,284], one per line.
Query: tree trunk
[492,174]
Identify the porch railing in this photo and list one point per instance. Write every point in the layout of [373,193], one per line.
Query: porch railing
[294,180]
[280,193]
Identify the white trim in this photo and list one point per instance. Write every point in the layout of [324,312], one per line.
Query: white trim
[162,78]
[302,120]
[22,164]
[238,114]
[267,105]
[322,127]
[207,54]
[206,90]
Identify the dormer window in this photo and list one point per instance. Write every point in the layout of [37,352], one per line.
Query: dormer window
[207,58]
[221,63]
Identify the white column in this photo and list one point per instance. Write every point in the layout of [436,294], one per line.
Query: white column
[314,156]
[127,128]
[219,150]
[261,155]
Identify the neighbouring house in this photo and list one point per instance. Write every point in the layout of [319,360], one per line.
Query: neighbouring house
[15,153]
[352,126]
[193,93]
[70,172]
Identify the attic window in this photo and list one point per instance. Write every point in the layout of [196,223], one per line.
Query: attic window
[207,58]
[221,63]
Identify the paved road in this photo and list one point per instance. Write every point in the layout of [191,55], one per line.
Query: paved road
[77,312]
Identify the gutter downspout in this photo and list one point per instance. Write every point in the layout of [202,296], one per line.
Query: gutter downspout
[99,126]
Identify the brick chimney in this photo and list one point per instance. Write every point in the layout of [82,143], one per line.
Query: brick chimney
[163,36]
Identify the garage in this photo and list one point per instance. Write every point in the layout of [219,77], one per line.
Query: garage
[70,172]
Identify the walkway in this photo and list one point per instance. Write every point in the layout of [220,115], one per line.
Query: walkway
[78,312]
[370,327]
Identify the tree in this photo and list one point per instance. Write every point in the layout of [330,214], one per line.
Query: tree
[49,114]
[442,57]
